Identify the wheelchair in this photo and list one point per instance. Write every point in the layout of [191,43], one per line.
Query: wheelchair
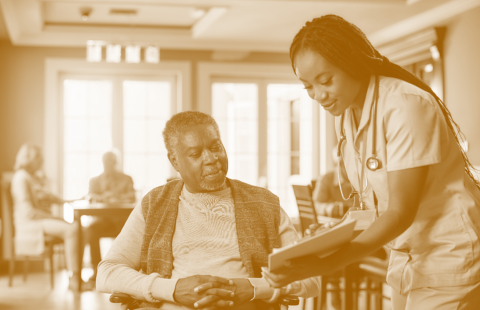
[128,303]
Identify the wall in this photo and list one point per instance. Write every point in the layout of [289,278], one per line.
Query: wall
[22,89]
[22,96]
[462,77]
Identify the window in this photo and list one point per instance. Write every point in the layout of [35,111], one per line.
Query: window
[290,140]
[281,112]
[125,113]
[235,108]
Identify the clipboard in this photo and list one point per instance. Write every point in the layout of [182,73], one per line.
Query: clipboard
[323,244]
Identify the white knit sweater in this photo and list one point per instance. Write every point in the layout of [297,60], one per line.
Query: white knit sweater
[204,242]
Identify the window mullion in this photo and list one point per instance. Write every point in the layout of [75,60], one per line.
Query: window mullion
[117,114]
[262,129]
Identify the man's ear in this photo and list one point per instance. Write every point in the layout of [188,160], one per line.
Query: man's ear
[173,160]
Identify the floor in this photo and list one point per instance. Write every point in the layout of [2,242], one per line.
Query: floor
[35,294]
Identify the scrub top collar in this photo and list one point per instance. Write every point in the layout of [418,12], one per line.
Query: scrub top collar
[351,133]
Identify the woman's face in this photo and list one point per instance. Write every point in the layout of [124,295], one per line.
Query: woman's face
[37,162]
[330,86]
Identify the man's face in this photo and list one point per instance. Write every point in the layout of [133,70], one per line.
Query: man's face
[201,159]
[109,162]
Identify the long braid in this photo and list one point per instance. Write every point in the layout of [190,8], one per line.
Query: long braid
[346,46]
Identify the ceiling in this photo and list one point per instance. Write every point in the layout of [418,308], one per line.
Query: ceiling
[240,25]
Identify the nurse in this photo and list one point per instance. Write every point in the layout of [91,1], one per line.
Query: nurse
[402,155]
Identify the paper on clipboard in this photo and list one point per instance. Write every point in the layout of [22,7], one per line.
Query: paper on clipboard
[322,244]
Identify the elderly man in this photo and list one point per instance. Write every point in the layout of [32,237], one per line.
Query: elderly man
[112,186]
[200,241]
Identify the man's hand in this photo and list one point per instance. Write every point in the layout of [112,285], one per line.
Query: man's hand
[243,292]
[204,292]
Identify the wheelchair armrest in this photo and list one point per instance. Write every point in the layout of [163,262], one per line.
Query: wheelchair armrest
[289,300]
[120,298]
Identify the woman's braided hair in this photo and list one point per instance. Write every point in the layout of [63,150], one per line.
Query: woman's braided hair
[346,46]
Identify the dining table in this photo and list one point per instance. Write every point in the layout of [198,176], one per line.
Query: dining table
[81,208]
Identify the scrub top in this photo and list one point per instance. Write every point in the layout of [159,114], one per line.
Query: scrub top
[441,247]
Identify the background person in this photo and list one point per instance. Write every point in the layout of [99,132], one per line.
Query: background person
[195,232]
[32,211]
[112,186]
[428,200]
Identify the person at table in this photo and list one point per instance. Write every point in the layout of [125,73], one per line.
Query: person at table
[400,138]
[32,205]
[195,241]
[327,195]
[112,186]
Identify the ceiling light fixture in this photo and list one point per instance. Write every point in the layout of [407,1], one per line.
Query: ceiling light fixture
[428,68]
[94,51]
[114,53]
[85,13]
[132,54]
[152,55]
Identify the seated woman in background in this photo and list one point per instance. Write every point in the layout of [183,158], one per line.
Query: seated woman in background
[32,211]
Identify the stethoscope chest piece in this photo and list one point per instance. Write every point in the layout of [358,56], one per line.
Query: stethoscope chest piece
[373,163]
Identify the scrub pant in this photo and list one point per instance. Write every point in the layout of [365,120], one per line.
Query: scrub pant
[466,297]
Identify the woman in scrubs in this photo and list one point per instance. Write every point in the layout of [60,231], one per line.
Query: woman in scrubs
[419,177]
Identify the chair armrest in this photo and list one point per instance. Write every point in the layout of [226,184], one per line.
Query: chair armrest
[120,298]
[289,300]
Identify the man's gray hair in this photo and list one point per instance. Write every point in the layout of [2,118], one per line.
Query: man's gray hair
[179,122]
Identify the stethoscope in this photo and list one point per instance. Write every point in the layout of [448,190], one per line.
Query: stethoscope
[372,163]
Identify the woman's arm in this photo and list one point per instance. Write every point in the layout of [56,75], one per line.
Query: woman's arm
[24,199]
[405,189]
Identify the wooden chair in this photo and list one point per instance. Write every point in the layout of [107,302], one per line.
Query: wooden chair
[8,235]
[306,208]
[308,216]
[373,274]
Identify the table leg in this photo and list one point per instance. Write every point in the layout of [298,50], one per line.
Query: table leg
[80,250]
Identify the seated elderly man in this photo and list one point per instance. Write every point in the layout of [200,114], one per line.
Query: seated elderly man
[200,241]
[112,186]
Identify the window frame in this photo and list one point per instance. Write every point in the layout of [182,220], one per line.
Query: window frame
[264,74]
[57,68]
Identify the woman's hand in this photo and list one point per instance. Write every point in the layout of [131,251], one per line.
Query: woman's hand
[295,270]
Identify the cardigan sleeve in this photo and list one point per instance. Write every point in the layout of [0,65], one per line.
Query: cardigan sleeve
[120,270]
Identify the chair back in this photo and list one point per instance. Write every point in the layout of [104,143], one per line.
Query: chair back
[306,208]
[8,228]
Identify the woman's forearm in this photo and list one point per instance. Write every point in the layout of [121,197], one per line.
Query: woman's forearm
[386,228]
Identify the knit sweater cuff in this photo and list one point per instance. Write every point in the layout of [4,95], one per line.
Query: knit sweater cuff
[261,289]
[163,289]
